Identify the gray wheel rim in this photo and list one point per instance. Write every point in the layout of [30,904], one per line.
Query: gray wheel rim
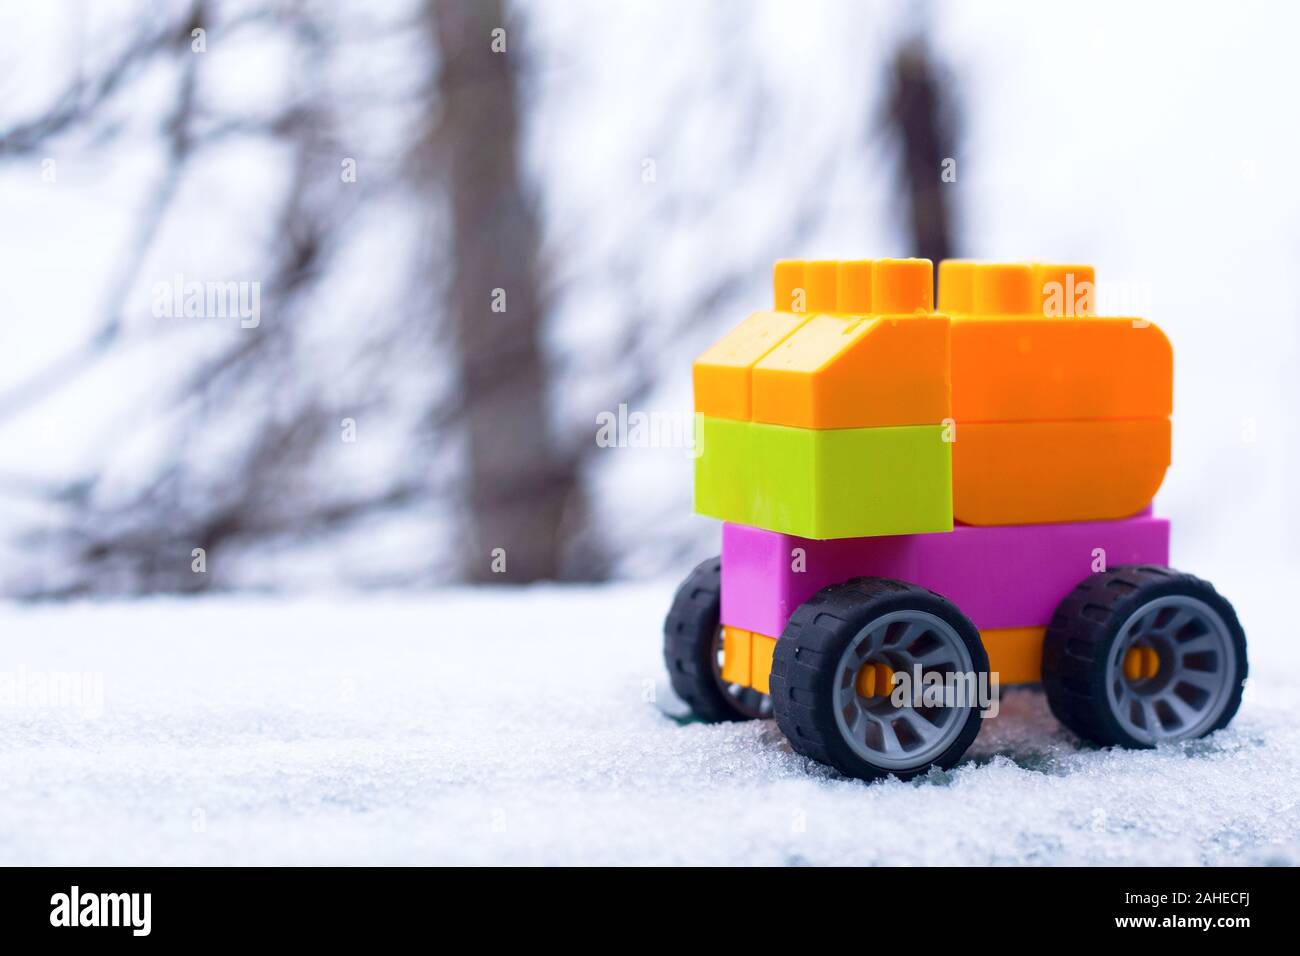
[902,737]
[1193,683]
[749,702]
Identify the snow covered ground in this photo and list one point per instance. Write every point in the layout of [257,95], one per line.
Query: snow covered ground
[533,727]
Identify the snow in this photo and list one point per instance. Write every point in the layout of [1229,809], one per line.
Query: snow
[534,727]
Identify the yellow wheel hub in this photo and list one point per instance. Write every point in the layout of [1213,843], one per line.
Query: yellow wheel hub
[1141,663]
[875,679]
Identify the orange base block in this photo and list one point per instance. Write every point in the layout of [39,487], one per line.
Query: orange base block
[760,662]
[1015,654]
[747,658]
[735,656]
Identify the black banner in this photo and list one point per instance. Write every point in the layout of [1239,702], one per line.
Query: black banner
[337,906]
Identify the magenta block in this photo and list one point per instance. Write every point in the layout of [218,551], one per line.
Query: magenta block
[1003,576]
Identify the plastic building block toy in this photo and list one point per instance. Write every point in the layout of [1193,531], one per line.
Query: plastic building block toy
[921,506]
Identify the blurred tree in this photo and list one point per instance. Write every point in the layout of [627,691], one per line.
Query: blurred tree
[478,309]
[920,114]
[247,396]
[521,485]
[415,299]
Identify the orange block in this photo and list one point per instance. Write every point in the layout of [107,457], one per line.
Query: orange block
[856,372]
[852,344]
[1016,288]
[853,291]
[1039,472]
[902,286]
[1031,368]
[1004,289]
[787,279]
[761,649]
[810,287]
[957,285]
[1066,290]
[1015,654]
[821,283]
[722,374]
[735,656]
[883,286]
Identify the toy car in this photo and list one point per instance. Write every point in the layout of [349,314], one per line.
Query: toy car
[924,505]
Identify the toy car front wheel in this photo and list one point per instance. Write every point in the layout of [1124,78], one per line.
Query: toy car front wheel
[834,691]
[1136,656]
[693,652]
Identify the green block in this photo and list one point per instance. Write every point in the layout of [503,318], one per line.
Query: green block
[723,445]
[825,483]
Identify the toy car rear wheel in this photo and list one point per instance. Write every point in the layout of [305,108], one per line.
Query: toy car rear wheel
[693,652]
[833,690]
[1142,655]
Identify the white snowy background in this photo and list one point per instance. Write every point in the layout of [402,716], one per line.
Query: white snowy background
[335,720]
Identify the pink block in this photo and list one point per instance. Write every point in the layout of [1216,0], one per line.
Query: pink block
[1004,576]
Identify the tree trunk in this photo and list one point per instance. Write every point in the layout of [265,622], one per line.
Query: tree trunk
[917,110]
[519,484]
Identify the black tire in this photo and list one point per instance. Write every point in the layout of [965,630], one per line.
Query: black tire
[817,650]
[1196,687]
[691,636]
